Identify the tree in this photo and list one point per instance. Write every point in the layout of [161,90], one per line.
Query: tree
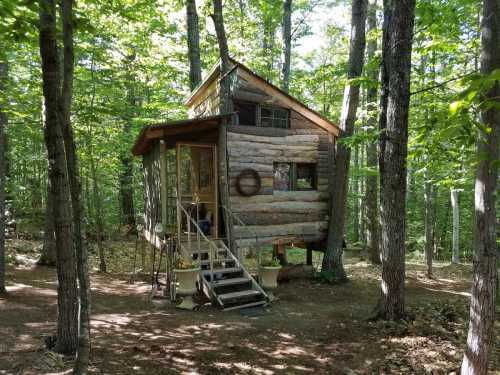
[372,218]
[456,227]
[224,108]
[429,198]
[193,39]
[398,23]
[483,301]
[3,154]
[332,261]
[287,44]
[67,302]
[80,246]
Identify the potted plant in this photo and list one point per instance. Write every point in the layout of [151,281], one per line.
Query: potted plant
[186,274]
[268,273]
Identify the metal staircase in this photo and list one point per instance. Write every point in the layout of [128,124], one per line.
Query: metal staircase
[223,278]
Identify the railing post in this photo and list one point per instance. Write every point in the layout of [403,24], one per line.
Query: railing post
[188,219]
[198,237]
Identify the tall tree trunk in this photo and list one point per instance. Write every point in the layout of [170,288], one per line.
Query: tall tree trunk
[429,222]
[75,188]
[287,44]
[127,172]
[3,153]
[98,214]
[48,257]
[455,247]
[355,192]
[193,39]
[67,301]
[399,17]
[332,261]
[373,227]
[483,301]
[225,108]
[96,194]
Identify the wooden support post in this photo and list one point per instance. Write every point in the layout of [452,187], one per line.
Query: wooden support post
[309,257]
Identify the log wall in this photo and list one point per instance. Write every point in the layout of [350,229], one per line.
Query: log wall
[272,216]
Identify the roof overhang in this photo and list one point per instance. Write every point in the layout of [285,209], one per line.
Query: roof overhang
[150,134]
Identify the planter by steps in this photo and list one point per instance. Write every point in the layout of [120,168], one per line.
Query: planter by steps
[268,276]
[186,279]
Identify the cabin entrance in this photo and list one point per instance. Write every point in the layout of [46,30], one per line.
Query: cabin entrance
[197,187]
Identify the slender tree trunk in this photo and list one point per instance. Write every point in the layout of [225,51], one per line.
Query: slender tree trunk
[399,19]
[355,192]
[485,283]
[193,39]
[48,257]
[429,222]
[287,44]
[127,173]
[67,301]
[455,257]
[99,225]
[332,261]
[98,215]
[3,153]
[75,188]
[372,218]
[225,108]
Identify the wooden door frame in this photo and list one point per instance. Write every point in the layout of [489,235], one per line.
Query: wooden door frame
[213,146]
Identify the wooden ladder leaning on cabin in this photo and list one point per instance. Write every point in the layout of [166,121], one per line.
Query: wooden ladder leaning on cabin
[223,278]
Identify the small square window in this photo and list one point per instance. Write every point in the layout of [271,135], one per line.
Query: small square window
[306,176]
[246,113]
[273,117]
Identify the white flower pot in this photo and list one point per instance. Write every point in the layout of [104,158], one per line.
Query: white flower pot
[187,281]
[269,277]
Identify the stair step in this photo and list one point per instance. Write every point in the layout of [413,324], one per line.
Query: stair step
[225,260]
[233,281]
[237,295]
[221,270]
[251,304]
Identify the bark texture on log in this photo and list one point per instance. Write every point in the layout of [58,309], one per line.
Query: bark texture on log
[399,19]
[485,279]
[67,301]
[332,261]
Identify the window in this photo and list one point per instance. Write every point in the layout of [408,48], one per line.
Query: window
[246,113]
[305,176]
[282,176]
[273,117]
[294,176]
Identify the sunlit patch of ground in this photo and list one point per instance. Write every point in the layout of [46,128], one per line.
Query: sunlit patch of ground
[313,328]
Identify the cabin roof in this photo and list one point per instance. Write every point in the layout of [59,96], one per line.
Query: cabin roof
[149,134]
[272,90]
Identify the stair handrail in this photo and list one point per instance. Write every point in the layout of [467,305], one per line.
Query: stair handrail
[242,223]
[200,235]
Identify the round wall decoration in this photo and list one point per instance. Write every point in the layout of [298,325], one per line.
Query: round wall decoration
[248,182]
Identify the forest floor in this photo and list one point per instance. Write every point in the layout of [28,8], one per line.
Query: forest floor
[314,328]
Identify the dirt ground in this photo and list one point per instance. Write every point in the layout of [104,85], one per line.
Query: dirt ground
[313,329]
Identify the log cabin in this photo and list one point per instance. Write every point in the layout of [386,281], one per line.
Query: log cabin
[279,153]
